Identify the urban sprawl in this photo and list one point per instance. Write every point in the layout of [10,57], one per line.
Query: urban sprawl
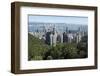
[53,33]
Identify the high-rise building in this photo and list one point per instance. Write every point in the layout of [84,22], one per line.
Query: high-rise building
[70,37]
[78,37]
[53,37]
[48,38]
[65,37]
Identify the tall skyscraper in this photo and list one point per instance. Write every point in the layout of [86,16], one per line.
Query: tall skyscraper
[53,37]
[78,37]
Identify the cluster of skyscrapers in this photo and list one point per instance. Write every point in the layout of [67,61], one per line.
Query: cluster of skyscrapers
[53,33]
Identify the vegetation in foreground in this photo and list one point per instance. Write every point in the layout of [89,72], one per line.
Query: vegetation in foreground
[38,50]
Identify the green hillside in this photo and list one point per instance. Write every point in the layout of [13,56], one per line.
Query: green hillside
[36,48]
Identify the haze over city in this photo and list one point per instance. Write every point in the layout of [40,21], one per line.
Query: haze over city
[72,22]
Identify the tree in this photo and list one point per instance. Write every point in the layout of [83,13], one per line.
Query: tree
[62,51]
[69,51]
[83,47]
[36,48]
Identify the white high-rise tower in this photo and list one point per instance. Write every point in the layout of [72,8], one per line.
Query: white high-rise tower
[53,37]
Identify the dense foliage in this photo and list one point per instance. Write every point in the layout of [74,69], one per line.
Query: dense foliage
[38,50]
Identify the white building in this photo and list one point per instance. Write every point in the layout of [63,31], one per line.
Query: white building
[53,37]
[70,37]
[78,37]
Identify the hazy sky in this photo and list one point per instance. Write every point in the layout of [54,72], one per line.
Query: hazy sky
[59,19]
